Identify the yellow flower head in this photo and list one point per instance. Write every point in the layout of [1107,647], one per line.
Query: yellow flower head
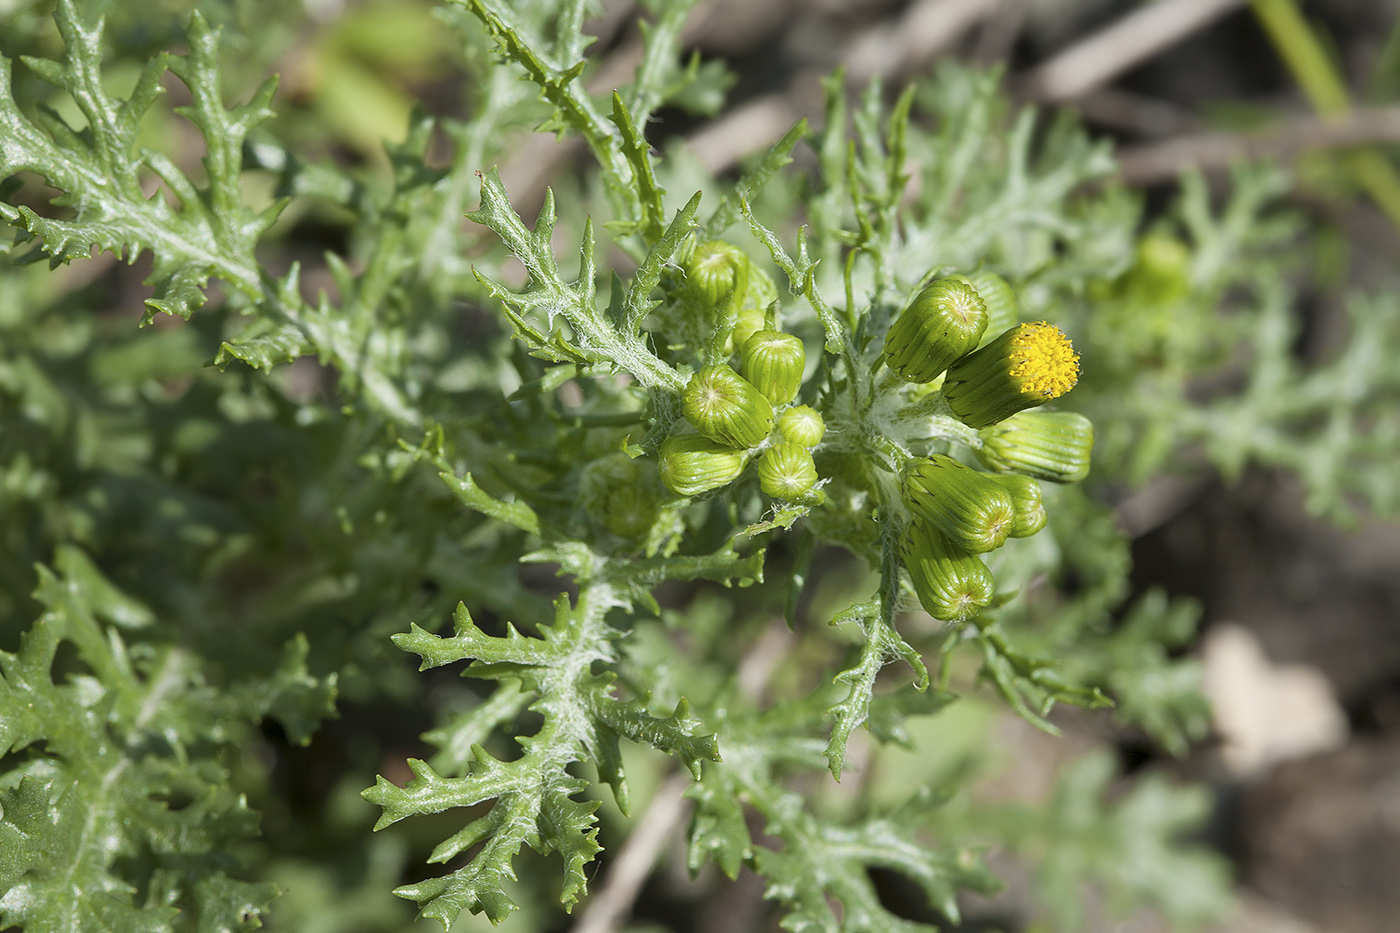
[1043,360]
[1022,367]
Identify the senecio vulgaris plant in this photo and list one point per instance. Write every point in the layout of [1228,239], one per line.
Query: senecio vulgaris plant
[867,354]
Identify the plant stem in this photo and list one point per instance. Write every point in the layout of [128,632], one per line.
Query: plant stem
[1305,57]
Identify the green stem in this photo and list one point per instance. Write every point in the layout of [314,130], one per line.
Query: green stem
[1298,46]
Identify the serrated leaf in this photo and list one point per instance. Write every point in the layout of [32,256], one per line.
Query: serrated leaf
[290,694]
[474,497]
[674,733]
[595,336]
[882,645]
[1126,847]
[94,762]
[533,795]
[718,831]
[1030,684]
[266,348]
[208,234]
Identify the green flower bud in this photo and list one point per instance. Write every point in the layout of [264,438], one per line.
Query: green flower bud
[754,312]
[802,425]
[725,407]
[773,362]
[691,464]
[952,584]
[1000,300]
[969,507]
[603,475]
[713,270]
[1049,445]
[1021,368]
[1027,503]
[631,510]
[943,322]
[786,471]
[615,491]
[1162,273]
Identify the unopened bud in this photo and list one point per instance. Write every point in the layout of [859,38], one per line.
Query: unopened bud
[802,425]
[631,510]
[1026,502]
[622,493]
[725,407]
[942,323]
[715,269]
[786,471]
[999,299]
[691,464]
[773,362]
[754,311]
[1048,445]
[969,507]
[952,584]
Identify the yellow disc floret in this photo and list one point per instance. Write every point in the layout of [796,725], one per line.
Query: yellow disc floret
[1043,360]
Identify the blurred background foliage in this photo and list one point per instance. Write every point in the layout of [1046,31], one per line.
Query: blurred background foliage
[1238,325]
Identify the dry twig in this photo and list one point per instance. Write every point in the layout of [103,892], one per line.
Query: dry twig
[1214,151]
[926,28]
[610,906]
[1121,46]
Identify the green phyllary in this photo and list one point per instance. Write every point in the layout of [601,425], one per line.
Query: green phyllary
[726,407]
[803,425]
[943,322]
[969,507]
[952,584]
[1028,365]
[1026,501]
[1048,445]
[691,464]
[786,471]
[773,362]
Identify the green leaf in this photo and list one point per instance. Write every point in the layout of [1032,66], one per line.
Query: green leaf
[638,154]
[595,338]
[812,864]
[778,156]
[638,302]
[1128,848]
[882,645]
[291,695]
[264,345]
[121,766]
[1032,685]
[533,794]
[208,233]
[1160,694]
[854,708]
[474,497]
[674,733]
[718,831]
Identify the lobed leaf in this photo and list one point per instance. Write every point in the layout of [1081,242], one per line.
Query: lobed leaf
[209,233]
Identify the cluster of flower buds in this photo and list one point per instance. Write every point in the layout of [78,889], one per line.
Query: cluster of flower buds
[941,333]
[993,369]
[745,413]
[718,275]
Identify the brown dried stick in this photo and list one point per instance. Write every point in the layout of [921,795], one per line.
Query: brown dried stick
[1213,151]
[610,906]
[925,29]
[1121,46]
